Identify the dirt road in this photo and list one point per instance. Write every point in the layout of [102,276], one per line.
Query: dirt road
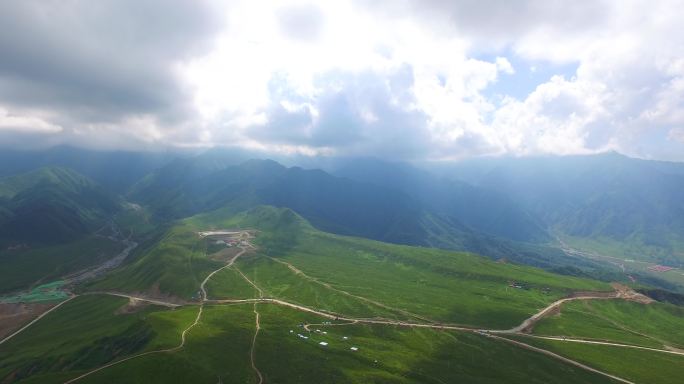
[228,265]
[252,350]
[529,322]
[173,349]
[36,320]
[584,341]
[561,358]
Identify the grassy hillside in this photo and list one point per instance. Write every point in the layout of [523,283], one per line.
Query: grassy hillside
[475,208]
[356,277]
[435,284]
[606,197]
[654,324]
[84,333]
[25,267]
[218,350]
[175,265]
[636,365]
[51,205]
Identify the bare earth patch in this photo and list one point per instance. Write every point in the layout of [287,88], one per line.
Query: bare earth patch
[134,305]
[15,315]
[628,293]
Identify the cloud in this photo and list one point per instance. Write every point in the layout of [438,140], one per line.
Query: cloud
[25,123]
[406,80]
[103,62]
[303,22]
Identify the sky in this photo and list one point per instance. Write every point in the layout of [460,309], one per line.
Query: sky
[401,80]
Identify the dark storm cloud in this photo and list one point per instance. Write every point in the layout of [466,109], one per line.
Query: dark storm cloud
[98,61]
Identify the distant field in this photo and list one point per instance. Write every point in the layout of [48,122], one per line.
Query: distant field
[25,267]
[651,325]
[636,258]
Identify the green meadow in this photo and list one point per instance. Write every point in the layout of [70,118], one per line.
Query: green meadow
[218,350]
[639,366]
[438,285]
[653,325]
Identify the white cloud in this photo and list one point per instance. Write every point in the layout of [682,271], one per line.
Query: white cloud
[401,79]
[26,123]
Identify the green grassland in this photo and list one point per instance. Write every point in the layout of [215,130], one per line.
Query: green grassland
[440,285]
[86,333]
[25,267]
[175,265]
[395,355]
[228,284]
[639,366]
[443,286]
[219,349]
[351,276]
[651,325]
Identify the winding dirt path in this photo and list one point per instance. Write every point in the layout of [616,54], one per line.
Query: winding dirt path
[185,331]
[173,349]
[351,320]
[252,350]
[529,322]
[228,265]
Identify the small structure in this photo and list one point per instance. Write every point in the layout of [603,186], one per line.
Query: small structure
[354,349]
[345,338]
[323,343]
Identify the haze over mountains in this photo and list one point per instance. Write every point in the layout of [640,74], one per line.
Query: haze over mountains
[516,209]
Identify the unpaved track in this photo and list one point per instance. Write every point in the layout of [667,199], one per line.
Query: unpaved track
[206,279]
[176,348]
[252,350]
[539,315]
[259,290]
[333,316]
[562,358]
[364,299]
[35,320]
[597,342]
[138,298]
[185,331]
